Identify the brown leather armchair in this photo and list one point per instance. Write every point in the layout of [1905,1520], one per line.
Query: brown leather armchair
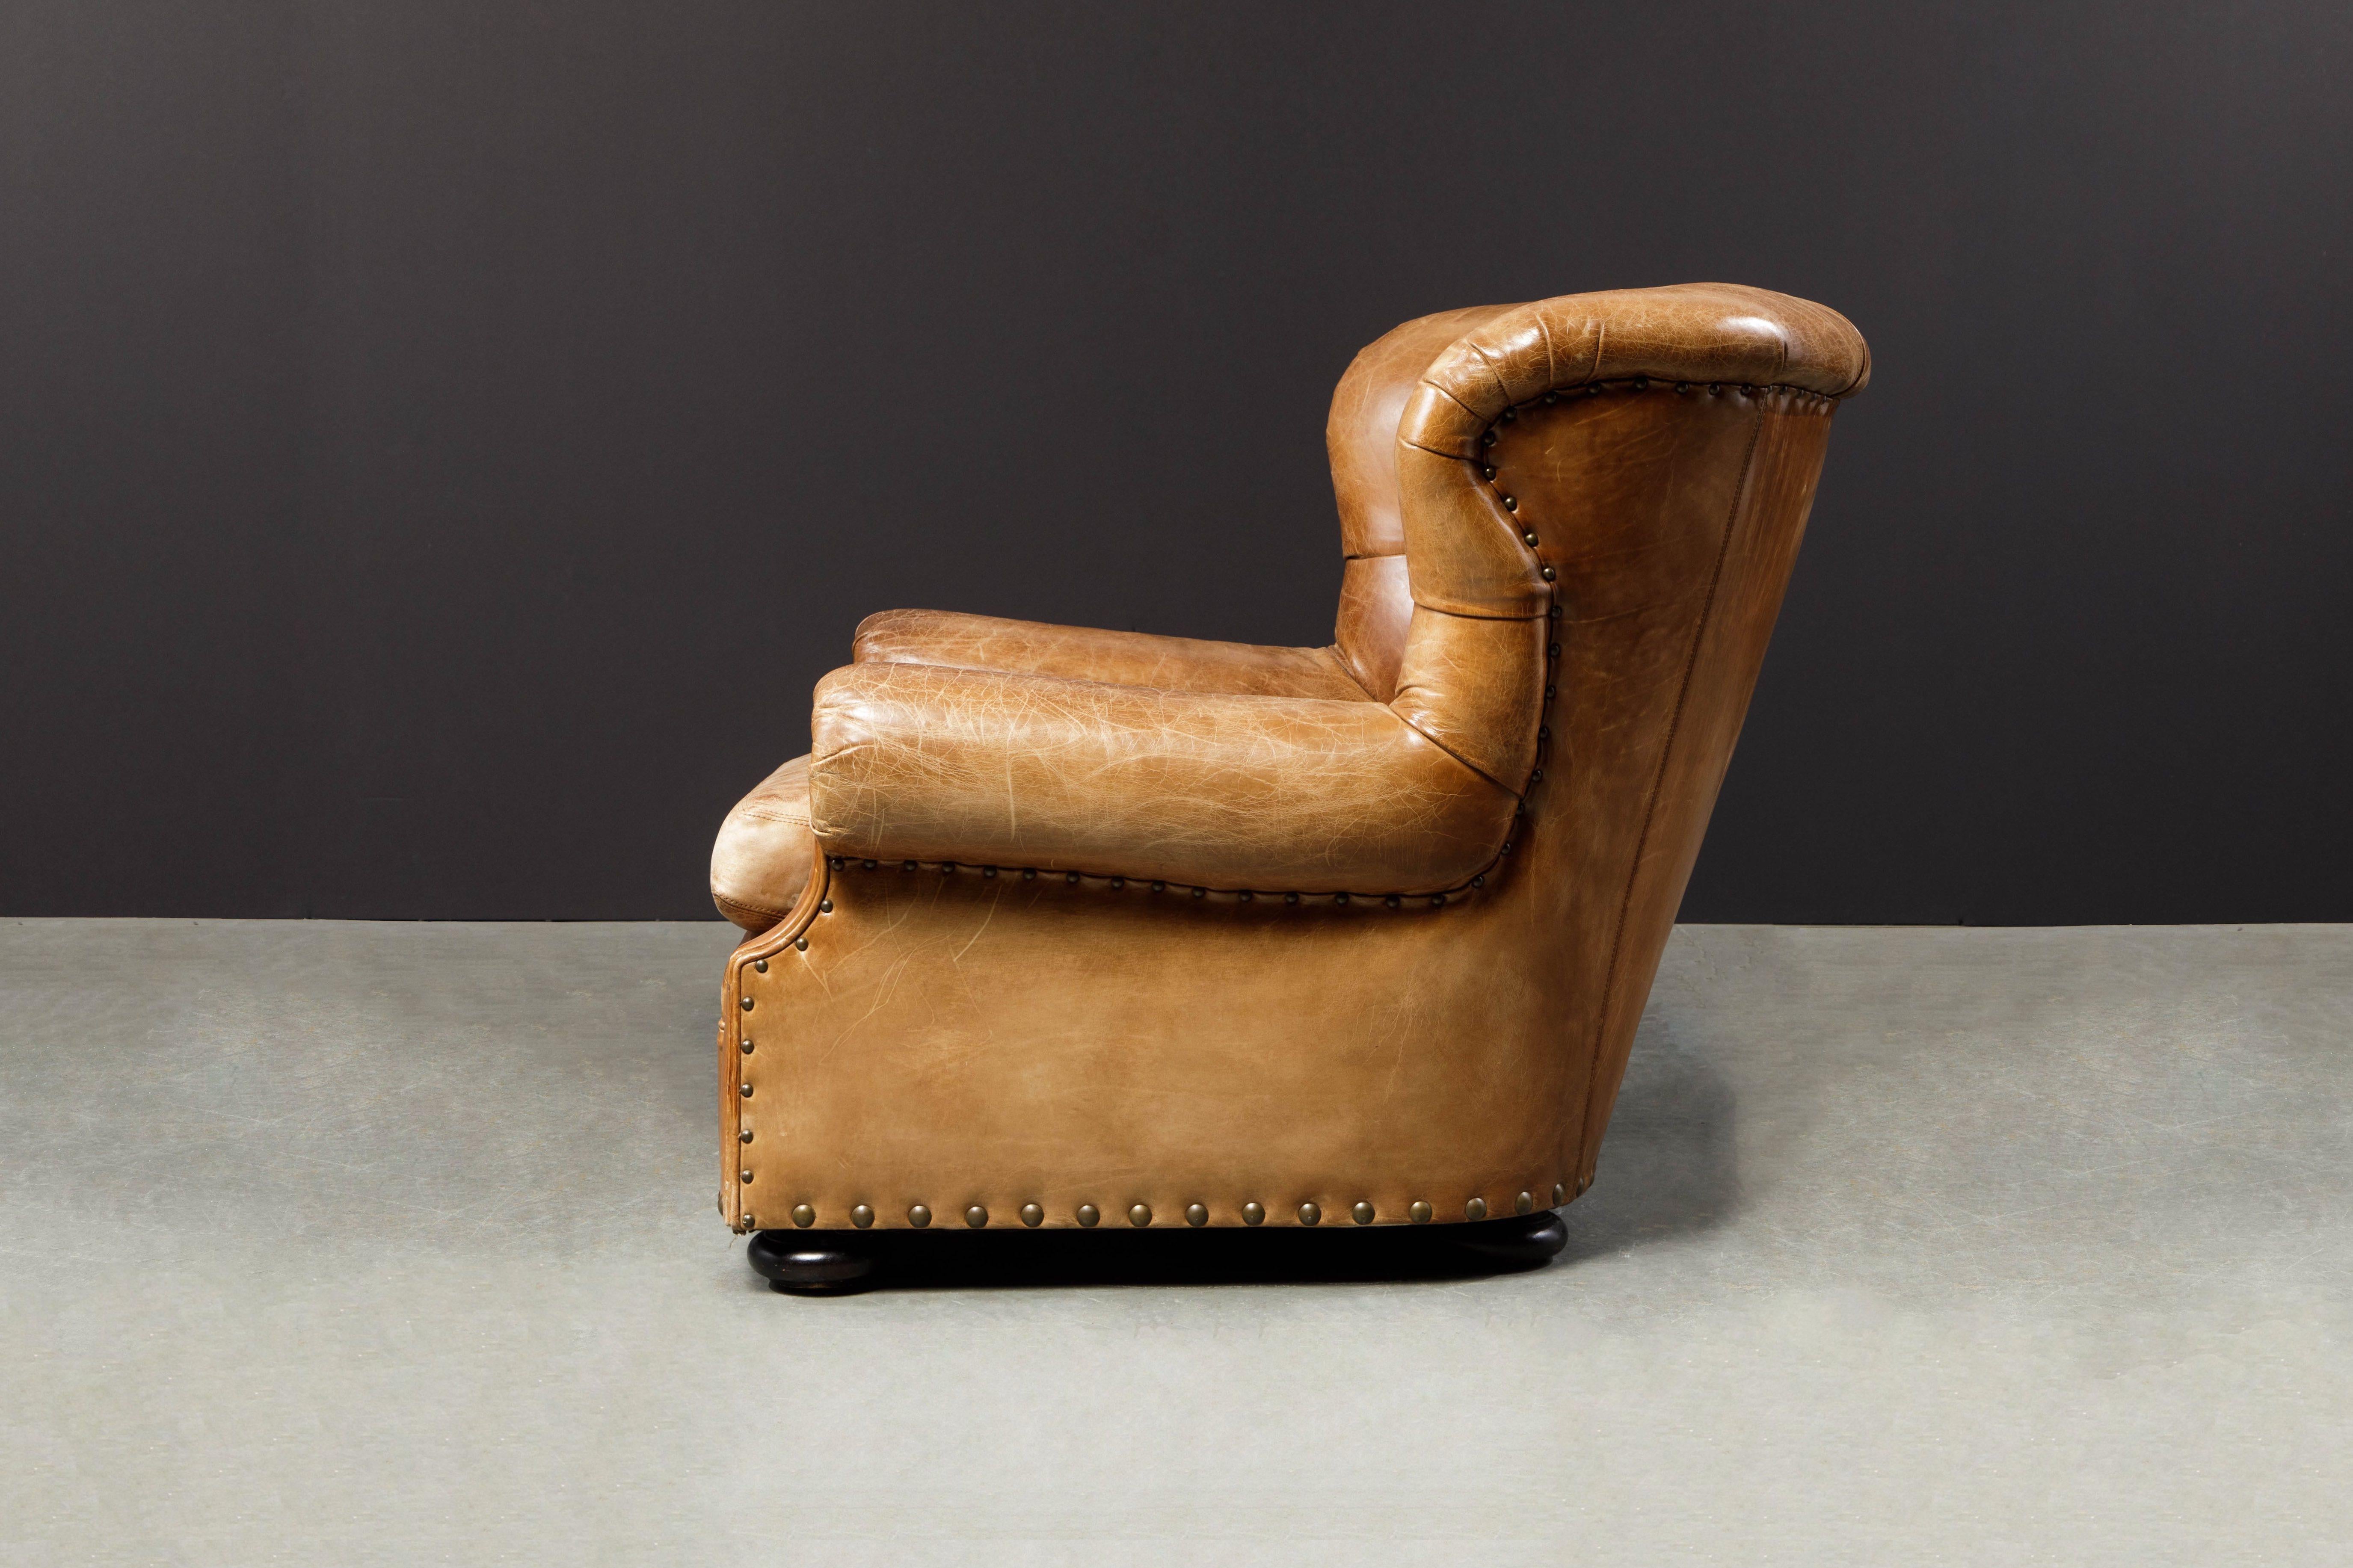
[1064,928]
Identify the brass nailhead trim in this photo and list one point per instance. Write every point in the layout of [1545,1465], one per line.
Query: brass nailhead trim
[861,1216]
[1089,1216]
[1310,1214]
[801,943]
[747,1004]
[1033,1216]
[1524,1202]
[744,1136]
[975,1217]
[1254,1215]
[748,1178]
[1196,1214]
[761,965]
[804,1215]
[747,1047]
[1560,1192]
[1475,1210]
[824,906]
[918,1215]
[1140,1216]
[1418,1213]
[745,1091]
[1362,1214]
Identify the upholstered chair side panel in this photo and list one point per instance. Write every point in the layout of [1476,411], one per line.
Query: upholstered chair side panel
[1759,550]
[956,1040]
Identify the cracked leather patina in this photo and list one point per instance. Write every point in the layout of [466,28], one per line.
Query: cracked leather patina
[1080,919]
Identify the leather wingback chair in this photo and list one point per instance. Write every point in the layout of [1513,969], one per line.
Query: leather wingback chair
[1058,927]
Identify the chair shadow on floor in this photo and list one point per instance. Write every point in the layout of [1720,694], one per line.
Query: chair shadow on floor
[1668,1171]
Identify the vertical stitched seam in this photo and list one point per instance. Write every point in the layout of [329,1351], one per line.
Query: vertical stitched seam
[1658,783]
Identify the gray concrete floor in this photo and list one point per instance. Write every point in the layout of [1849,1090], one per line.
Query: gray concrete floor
[394,1244]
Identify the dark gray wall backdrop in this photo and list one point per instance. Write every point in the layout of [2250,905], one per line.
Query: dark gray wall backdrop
[444,441]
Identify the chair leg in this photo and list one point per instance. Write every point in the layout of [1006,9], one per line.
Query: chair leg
[1525,1241]
[802,1265]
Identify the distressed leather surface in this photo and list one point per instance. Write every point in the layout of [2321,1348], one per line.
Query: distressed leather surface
[1598,500]
[1201,788]
[761,858]
[1084,652]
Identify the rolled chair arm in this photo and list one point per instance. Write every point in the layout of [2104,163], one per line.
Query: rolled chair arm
[959,641]
[1266,793]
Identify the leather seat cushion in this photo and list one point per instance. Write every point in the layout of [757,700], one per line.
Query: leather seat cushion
[766,850]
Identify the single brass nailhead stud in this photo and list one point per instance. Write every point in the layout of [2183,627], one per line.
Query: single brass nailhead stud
[1362,1214]
[1339,897]
[1524,1202]
[1159,887]
[1486,470]
[1438,901]
[744,1136]
[1392,901]
[1089,1214]
[918,1215]
[1510,503]
[1254,1215]
[745,1091]
[1033,1216]
[1140,1216]
[906,865]
[761,965]
[861,1216]
[800,944]
[975,1217]
[1072,879]
[1418,1213]
[1530,535]
[804,1215]
[1552,650]
[748,1178]
[868,865]
[834,861]
[1548,692]
[1480,880]
[1554,613]
[824,906]
[1487,438]
[1548,574]
[747,1047]
[1309,1214]
[1200,892]
[1196,1214]
[1560,1192]
[1475,1210]
[749,1223]
[1509,414]
[1117,883]
[989,870]
[1290,898]
[747,1004]
[1245,895]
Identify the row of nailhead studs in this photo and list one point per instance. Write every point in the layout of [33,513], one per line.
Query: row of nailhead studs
[1244,895]
[1140,1215]
[1552,644]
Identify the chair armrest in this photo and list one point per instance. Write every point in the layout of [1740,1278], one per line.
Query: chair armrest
[957,641]
[1271,793]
